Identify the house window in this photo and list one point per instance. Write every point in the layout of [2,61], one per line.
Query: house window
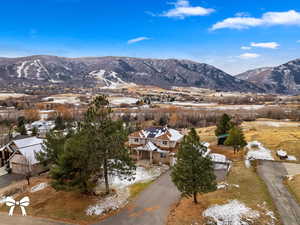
[165,143]
[163,155]
[136,140]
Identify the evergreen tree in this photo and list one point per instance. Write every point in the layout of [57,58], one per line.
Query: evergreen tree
[75,168]
[52,149]
[108,138]
[236,139]
[34,131]
[59,123]
[22,130]
[21,125]
[193,173]
[224,125]
[96,150]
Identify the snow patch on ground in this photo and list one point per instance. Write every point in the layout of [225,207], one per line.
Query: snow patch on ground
[110,203]
[120,198]
[258,151]
[237,107]
[291,158]
[224,185]
[268,213]
[234,212]
[277,123]
[141,175]
[63,99]
[123,100]
[39,187]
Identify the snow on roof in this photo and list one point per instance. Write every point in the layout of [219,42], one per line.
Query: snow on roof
[215,157]
[175,135]
[29,146]
[156,132]
[26,142]
[150,147]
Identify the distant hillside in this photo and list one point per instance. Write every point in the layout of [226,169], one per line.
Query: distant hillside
[283,79]
[117,71]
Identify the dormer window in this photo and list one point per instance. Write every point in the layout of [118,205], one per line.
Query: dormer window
[165,143]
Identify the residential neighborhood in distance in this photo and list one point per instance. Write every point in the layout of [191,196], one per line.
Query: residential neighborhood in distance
[179,112]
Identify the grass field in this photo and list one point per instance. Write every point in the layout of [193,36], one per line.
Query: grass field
[294,187]
[272,134]
[252,191]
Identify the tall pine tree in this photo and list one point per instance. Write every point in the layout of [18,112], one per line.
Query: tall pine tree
[96,150]
[108,138]
[193,172]
[224,125]
[236,139]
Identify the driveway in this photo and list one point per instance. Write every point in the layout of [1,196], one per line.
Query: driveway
[151,207]
[7,179]
[26,220]
[272,173]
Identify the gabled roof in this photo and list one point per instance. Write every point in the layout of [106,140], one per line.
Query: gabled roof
[26,142]
[163,133]
[29,146]
[149,146]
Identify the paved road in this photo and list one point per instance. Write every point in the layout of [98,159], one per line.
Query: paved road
[272,173]
[151,207]
[7,179]
[25,220]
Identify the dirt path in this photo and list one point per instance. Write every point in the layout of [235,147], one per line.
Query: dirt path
[272,173]
[151,207]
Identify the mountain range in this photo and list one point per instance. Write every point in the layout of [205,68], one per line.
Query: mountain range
[112,72]
[282,79]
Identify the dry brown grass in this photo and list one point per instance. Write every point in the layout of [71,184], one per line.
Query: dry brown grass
[207,134]
[294,187]
[57,205]
[252,191]
[286,137]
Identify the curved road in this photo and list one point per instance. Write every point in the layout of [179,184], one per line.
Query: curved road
[150,207]
[272,173]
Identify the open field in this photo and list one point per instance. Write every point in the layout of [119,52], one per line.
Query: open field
[294,187]
[4,96]
[273,134]
[251,191]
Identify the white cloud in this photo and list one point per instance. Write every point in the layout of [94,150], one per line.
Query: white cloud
[272,45]
[182,9]
[290,17]
[249,55]
[298,41]
[242,14]
[245,48]
[138,39]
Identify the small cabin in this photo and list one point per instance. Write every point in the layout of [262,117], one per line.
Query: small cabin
[222,138]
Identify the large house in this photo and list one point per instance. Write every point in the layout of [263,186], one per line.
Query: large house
[156,144]
[19,155]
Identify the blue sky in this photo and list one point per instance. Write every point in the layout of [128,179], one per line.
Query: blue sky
[233,35]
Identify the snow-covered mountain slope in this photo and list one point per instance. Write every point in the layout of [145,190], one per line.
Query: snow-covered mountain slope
[115,71]
[283,79]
